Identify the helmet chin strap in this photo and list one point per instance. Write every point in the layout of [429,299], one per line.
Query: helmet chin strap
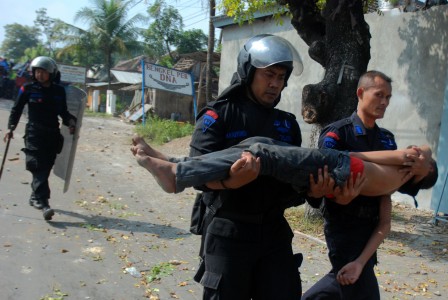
[252,97]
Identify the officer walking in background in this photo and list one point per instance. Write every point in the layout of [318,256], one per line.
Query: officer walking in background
[46,102]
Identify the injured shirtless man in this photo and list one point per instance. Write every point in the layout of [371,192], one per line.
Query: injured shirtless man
[290,164]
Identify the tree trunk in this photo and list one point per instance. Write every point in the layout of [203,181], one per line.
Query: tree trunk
[339,40]
[210,51]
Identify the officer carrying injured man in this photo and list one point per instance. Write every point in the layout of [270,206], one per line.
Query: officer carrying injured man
[246,245]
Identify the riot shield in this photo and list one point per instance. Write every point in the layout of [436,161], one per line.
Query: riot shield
[76,102]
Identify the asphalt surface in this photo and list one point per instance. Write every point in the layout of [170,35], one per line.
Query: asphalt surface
[117,235]
[112,217]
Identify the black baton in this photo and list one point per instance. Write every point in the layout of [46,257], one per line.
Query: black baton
[6,152]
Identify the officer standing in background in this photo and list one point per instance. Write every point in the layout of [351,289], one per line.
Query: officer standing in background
[246,247]
[46,101]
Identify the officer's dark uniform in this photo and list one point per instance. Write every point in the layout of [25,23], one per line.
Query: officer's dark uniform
[349,227]
[43,140]
[247,248]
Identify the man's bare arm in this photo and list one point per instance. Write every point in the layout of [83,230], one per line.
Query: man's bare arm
[350,273]
[386,157]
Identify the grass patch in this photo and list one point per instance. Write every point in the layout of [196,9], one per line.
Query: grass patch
[159,271]
[161,131]
[297,219]
[89,113]
[57,294]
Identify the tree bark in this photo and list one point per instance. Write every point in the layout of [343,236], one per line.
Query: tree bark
[210,51]
[339,40]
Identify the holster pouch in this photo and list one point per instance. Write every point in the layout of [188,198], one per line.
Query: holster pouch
[197,215]
[211,280]
[200,272]
[31,161]
[298,259]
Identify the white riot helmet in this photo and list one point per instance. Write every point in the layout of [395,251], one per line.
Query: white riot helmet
[46,63]
[264,50]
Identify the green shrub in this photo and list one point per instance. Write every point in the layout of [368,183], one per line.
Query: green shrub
[89,113]
[161,131]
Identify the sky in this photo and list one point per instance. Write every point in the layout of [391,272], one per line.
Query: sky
[23,12]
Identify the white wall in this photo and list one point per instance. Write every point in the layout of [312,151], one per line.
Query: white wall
[409,47]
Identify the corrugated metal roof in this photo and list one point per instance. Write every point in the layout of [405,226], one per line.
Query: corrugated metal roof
[127,77]
[99,84]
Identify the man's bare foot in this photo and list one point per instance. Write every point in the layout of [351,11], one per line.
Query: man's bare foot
[163,171]
[139,143]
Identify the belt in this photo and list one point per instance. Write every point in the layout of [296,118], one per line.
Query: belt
[43,127]
[250,218]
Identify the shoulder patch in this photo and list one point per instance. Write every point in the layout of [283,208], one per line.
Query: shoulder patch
[358,129]
[330,140]
[209,119]
[21,90]
[212,114]
[333,135]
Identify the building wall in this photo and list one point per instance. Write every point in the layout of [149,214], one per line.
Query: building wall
[168,105]
[409,47]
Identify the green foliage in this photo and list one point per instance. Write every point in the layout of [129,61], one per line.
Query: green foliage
[81,47]
[163,33]
[120,106]
[109,26]
[159,271]
[17,39]
[161,131]
[166,61]
[245,10]
[89,113]
[31,53]
[48,28]
[191,41]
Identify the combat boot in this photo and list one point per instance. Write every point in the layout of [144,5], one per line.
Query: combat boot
[37,203]
[47,211]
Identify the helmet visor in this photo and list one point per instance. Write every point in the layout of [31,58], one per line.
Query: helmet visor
[272,50]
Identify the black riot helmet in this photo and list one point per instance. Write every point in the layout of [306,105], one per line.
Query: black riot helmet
[264,50]
[46,63]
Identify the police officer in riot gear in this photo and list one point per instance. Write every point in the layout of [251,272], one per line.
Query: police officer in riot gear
[46,102]
[246,241]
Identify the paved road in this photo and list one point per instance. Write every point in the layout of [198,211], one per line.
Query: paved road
[114,216]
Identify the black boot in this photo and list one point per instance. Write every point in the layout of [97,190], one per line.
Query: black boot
[37,203]
[47,212]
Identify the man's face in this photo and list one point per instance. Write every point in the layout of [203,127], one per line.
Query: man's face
[267,84]
[373,99]
[41,75]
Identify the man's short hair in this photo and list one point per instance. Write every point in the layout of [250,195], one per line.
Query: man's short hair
[368,77]
[430,180]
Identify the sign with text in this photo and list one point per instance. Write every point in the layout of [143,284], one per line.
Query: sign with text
[72,74]
[167,79]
